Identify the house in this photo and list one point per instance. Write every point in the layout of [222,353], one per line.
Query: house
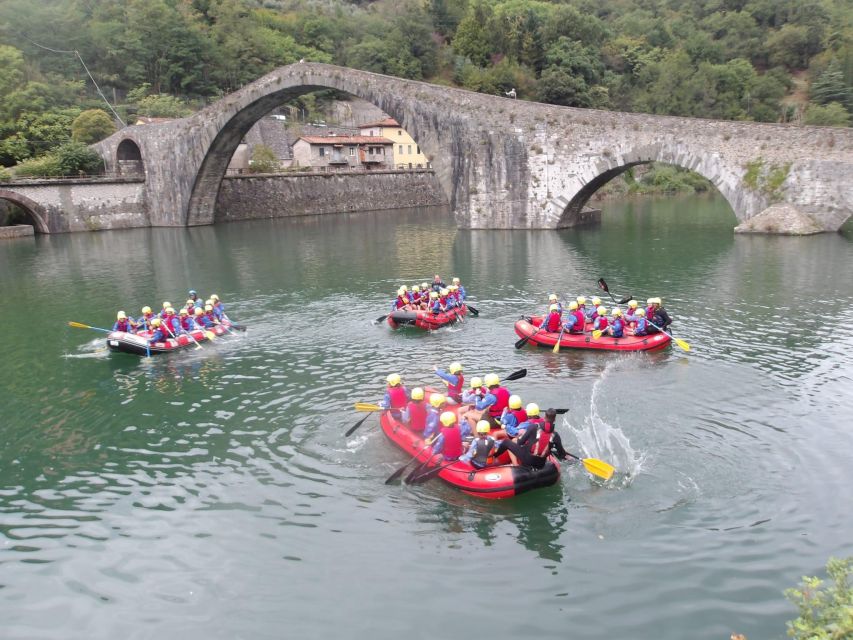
[343,152]
[407,153]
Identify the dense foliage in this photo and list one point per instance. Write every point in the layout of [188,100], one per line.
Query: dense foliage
[764,60]
[825,609]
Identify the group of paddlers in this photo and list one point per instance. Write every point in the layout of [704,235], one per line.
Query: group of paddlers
[489,420]
[635,320]
[194,315]
[436,297]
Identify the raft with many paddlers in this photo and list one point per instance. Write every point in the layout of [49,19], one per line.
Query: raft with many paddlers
[423,319]
[501,480]
[137,343]
[529,328]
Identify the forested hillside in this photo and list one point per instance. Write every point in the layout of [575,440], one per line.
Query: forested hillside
[764,60]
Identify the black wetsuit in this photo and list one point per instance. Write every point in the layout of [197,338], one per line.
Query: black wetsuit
[523,449]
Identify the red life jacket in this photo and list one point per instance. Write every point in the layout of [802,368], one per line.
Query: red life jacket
[442,300]
[502,395]
[650,312]
[416,298]
[417,415]
[401,302]
[452,442]
[542,444]
[553,322]
[123,325]
[520,415]
[185,323]
[455,390]
[398,397]
[602,324]
[580,321]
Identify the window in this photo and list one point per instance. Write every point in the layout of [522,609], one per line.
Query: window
[401,150]
[322,151]
[352,151]
[410,149]
[410,165]
[399,132]
[417,150]
[372,132]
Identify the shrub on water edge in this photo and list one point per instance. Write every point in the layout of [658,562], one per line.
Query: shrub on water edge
[826,610]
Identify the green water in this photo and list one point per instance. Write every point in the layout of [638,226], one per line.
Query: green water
[211,493]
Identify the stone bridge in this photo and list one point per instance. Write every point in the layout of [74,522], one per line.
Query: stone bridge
[504,163]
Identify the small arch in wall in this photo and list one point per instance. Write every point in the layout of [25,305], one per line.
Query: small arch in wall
[129,159]
[33,210]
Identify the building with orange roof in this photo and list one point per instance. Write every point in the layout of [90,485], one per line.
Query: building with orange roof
[343,152]
[407,154]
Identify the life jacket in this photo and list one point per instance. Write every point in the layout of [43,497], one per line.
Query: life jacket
[600,323]
[168,326]
[542,443]
[520,415]
[553,322]
[618,327]
[417,415]
[455,390]
[398,397]
[435,307]
[123,325]
[485,449]
[186,323]
[650,312]
[416,298]
[442,300]
[400,302]
[580,321]
[452,442]
[641,327]
[502,401]
[212,318]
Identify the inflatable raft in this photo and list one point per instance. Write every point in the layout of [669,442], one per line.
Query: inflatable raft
[136,342]
[529,328]
[502,480]
[425,319]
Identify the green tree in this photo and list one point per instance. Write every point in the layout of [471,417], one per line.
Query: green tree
[264,160]
[825,609]
[830,115]
[472,40]
[831,87]
[163,106]
[91,126]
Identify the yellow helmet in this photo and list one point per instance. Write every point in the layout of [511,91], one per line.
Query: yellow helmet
[437,399]
[617,311]
[417,393]
[403,288]
[552,297]
[213,296]
[658,301]
[424,286]
[492,380]
[184,311]
[640,312]
[146,310]
[596,301]
[433,294]
[208,307]
[515,402]
[455,367]
[581,300]
[416,289]
[199,311]
[453,287]
[444,292]
[553,307]
[650,301]
[393,379]
[447,418]
[632,304]
[155,322]
[209,301]
[573,306]
[532,409]
[483,426]
[166,305]
[476,383]
[456,281]
[602,311]
[401,291]
[190,303]
[170,311]
[121,315]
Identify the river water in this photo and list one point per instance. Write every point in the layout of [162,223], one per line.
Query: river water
[211,493]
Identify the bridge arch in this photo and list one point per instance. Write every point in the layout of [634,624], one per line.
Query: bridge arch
[129,158]
[35,211]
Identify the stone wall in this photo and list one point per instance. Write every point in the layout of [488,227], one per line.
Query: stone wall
[16,231]
[281,196]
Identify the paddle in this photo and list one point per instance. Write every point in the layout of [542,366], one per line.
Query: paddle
[472,309]
[516,375]
[595,467]
[192,337]
[431,473]
[80,325]
[381,318]
[400,471]
[681,343]
[520,343]
[367,406]
[357,425]
[557,344]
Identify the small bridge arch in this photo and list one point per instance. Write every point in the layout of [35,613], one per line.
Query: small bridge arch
[34,210]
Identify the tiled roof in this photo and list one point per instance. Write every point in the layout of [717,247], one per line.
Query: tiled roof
[333,140]
[387,122]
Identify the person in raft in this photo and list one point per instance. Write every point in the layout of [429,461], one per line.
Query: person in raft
[660,317]
[160,334]
[460,289]
[631,313]
[190,307]
[193,295]
[201,319]
[171,323]
[415,297]
[616,328]
[642,326]
[400,301]
[481,451]
[537,443]
[575,321]
[475,392]
[492,405]
[162,314]
[437,284]
[435,303]
[218,307]
[396,396]
[553,320]
[448,442]
[187,321]
[415,413]
[513,416]
[454,380]
[553,300]
[144,321]
[123,323]
[600,320]
[437,403]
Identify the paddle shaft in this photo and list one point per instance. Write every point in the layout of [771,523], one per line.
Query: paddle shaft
[80,325]
[357,425]
[557,344]
[400,471]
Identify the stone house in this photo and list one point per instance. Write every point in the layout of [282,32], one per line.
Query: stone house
[407,153]
[343,153]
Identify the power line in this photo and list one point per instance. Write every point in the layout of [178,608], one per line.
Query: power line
[80,58]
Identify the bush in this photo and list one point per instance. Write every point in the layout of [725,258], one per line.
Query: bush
[42,167]
[69,159]
[91,126]
[163,106]
[264,160]
[4,175]
[826,611]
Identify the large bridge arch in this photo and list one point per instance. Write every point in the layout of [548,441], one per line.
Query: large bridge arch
[34,210]
[504,163]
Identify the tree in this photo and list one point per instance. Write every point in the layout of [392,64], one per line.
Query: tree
[91,126]
[826,610]
[831,87]
[830,115]
[163,106]
[472,40]
[264,160]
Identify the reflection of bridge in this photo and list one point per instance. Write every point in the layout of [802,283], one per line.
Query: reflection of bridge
[504,163]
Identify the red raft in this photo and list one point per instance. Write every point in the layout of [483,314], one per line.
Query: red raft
[425,319]
[502,480]
[529,328]
[136,342]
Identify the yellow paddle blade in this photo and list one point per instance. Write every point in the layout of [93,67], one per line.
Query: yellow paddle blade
[597,334]
[366,406]
[210,335]
[79,325]
[556,348]
[681,343]
[598,468]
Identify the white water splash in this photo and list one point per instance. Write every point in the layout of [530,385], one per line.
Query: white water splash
[599,439]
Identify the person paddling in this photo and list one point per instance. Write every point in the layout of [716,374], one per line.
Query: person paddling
[123,323]
[575,321]
[144,322]
[396,396]
[552,320]
[534,447]
[492,405]
[449,439]
[454,380]
[415,413]
[617,326]
[481,452]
